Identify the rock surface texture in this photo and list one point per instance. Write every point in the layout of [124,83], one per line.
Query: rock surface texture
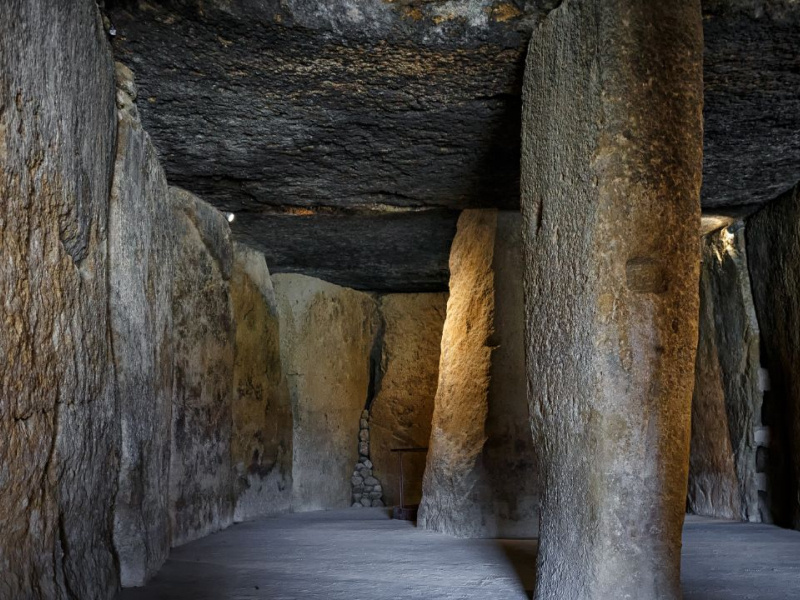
[726,406]
[751,72]
[611,144]
[140,255]
[261,440]
[118,343]
[454,468]
[327,335]
[479,396]
[58,432]
[511,508]
[311,119]
[349,248]
[201,478]
[773,247]
[401,412]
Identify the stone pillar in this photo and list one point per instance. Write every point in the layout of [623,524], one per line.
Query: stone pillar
[140,257]
[327,333]
[454,468]
[261,411]
[200,473]
[773,248]
[480,478]
[59,430]
[400,415]
[726,408]
[611,172]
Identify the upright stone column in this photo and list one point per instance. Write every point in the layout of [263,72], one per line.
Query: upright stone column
[611,171]
[480,476]
[773,248]
[59,427]
[200,472]
[452,488]
[140,258]
[261,411]
[726,408]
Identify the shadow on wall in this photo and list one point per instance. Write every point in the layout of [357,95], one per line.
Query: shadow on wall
[481,478]
[400,414]
[773,247]
[521,555]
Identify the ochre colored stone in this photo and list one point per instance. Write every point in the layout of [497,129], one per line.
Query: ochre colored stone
[201,480]
[458,433]
[327,335]
[261,439]
[59,433]
[773,248]
[726,406]
[140,255]
[611,172]
[400,414]
[480,479]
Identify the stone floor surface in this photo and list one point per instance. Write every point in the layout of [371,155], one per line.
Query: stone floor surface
[362,554]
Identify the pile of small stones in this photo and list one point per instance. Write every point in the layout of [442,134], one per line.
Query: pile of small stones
[367,490]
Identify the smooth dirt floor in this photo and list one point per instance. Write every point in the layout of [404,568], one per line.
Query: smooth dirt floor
[362,554]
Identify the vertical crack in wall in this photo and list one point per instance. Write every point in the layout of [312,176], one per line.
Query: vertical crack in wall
[112,513]
[64,546]
[376,366]
[367,489]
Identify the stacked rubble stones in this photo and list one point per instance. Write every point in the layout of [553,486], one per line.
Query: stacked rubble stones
[367,490]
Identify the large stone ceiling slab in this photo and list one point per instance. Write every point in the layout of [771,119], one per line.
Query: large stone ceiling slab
[752,101]
[335,129]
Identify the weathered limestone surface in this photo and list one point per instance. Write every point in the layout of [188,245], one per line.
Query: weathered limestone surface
[726,406]
[416,105]
[416,109]
[201,479]
[401,412]
[58,431]
[420,99]
[773,247]
[454,471]
[348,248]
[261,440]
[140,250]
[92,457]
[750,107]
[611,169]
[327,335]
[480,479]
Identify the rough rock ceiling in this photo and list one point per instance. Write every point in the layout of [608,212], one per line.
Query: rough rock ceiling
[346,134]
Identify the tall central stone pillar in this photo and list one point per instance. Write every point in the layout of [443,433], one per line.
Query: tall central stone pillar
[611,172]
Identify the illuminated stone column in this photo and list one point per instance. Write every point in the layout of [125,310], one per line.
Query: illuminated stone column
[453,489]
[611,172]
[480,477]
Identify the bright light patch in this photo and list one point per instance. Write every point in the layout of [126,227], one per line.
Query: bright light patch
[231,217]
[727,242]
